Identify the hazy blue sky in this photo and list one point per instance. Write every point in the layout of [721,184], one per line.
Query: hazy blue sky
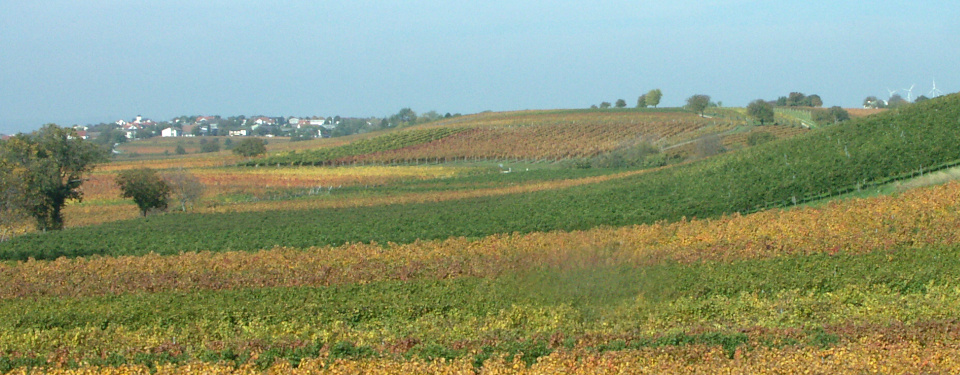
[90,61]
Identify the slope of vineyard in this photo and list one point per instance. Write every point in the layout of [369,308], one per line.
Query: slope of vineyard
[839,159]
[745,292]
[528,135]
[461,268]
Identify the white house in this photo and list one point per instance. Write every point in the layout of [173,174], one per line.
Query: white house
[264,121]
[170,132]
[240,133]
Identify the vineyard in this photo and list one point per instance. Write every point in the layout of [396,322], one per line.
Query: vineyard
[470,246]
[664,297]
[533,136]
[328,156]
[836,160]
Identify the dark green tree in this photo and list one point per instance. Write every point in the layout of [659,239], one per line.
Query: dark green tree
[761,111]
[896,101]
[873,102]
[814,100]
[250,147]
[653,97]
[213,146]
[796,99]
[52,163]
[697,103]
[642,101]
[180,150]
[621,103]
[605,105]
[146,187]
[839,114]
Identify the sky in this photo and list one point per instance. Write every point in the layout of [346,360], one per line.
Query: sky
[85,62]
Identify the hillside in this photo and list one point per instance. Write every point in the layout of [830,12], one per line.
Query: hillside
[835,160]
[744,292]
[410,263]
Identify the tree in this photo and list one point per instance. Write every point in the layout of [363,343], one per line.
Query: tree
[642,101]
[621,103]
[250,147]
[839,114]
[814,100]
[185,187]
[146,187]
[796,99]
[110,137]
[896,101]
[210,146]
[921,98]
[873,102]
[13,197]
[697,103]
[180,150]
[761,111]
[51,164]
[406,116]
[604,105]
[653,97]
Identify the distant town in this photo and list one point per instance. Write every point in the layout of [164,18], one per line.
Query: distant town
[296,128]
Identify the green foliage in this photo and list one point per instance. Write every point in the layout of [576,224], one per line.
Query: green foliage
[639,155]
[212,146]
[604,105]
[761,111]
[653,97]
[180,150]
[642,101]
[697,103]
[873,102]
[146,187]
[51,164]
[250,147]
[621,103]
[896,101]
[830,116]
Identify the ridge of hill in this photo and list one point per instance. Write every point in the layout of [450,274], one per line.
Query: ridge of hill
[878,149]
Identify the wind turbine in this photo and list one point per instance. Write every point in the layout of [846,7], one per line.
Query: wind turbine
[910,92]
[890,93]
[935,93]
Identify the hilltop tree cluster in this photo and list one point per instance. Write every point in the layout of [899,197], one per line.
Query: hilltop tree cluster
[798,99]
[649,99]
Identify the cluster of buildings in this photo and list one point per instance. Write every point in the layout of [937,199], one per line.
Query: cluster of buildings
[214,125]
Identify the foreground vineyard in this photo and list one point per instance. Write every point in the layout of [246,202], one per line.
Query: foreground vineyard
[917,218]
[835,288]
